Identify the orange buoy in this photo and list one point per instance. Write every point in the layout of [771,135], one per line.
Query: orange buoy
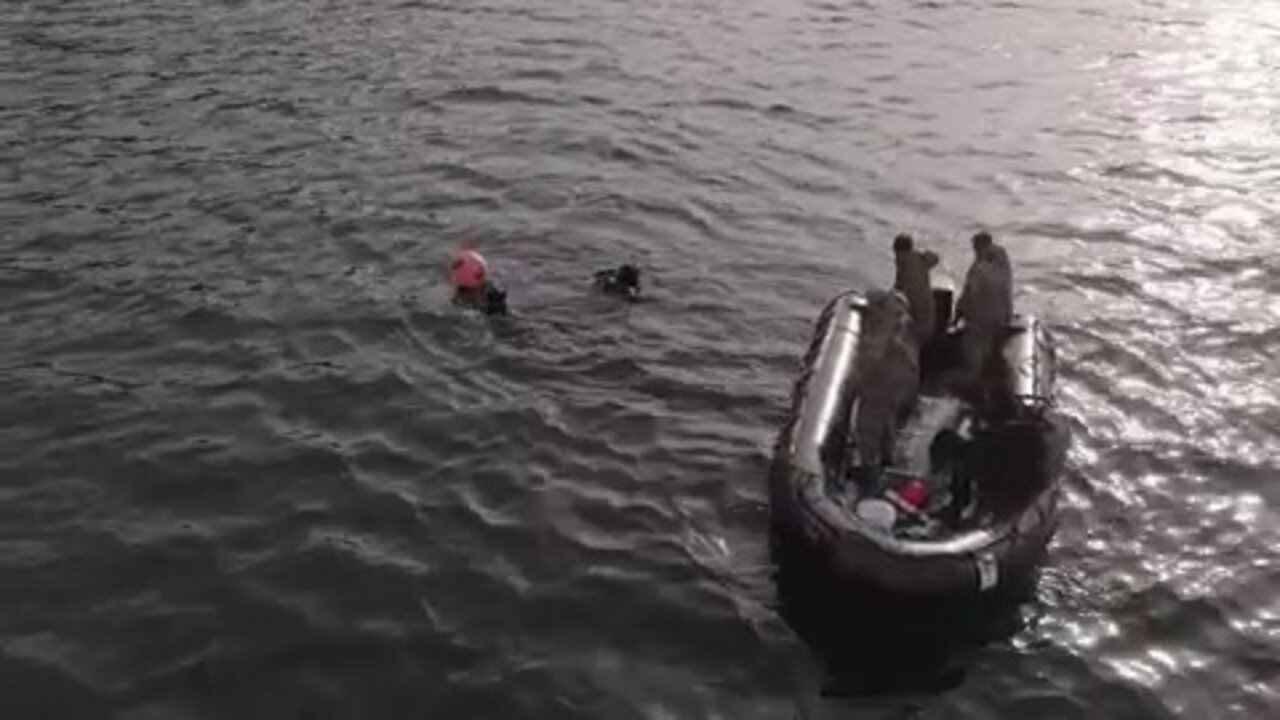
[468,270]
[916,493]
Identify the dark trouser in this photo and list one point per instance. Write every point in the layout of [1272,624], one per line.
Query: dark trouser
[873,432]
[977,345]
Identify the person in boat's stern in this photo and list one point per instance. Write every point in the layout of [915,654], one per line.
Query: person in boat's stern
[985,306]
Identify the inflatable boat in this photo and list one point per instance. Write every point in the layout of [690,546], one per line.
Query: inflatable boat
[966,500]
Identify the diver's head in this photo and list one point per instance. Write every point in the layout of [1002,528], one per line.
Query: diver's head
[628,276]
[903,243]
[494,301]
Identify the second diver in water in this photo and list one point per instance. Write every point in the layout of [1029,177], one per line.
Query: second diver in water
[623,281]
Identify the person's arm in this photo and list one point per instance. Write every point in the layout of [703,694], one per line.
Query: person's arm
[930,259]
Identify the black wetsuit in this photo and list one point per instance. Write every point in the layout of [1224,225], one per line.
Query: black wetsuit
[490,299]
[623,281]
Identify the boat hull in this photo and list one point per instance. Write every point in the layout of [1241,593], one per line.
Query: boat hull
[811,462]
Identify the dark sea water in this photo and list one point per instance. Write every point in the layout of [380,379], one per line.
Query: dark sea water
[254,465]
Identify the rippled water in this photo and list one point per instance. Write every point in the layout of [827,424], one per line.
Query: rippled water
[254,465]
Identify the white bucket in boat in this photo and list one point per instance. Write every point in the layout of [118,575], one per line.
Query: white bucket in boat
[880,514]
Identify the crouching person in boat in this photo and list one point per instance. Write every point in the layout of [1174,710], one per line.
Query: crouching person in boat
[888,371]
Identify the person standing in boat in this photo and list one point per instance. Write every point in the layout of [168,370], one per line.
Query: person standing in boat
[911,278]
[888,371]
[985,306]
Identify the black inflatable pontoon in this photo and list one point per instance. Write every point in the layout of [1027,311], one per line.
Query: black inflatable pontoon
[994,502]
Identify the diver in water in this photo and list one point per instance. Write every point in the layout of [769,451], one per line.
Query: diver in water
[623,281]
[493,299]
[472,287]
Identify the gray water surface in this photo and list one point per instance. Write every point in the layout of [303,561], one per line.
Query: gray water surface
[254,465]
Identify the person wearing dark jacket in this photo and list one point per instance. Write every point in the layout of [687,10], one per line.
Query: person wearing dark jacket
[985,306]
